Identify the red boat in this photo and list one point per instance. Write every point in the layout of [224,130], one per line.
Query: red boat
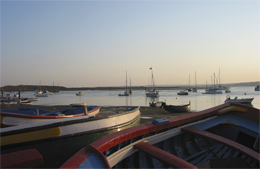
[225,136]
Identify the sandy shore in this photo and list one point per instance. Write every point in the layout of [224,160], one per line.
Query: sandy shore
[148,114]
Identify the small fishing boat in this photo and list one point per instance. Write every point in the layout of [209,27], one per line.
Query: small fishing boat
[25,115]
[257,88]
[80,94]
[182,92]
[177,108]
[57,140]
[236,100]
[225,136]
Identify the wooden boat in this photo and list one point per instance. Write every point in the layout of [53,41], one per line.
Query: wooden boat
[57,140]
[236,100]
[159,104]
[177,108]
[225,136]
[257,88]
[25,115]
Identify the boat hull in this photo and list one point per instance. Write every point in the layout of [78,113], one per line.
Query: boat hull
[225,136]
[23,116]
[177,108]
[57,141]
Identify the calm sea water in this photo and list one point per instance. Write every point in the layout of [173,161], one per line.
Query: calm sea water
[198,100]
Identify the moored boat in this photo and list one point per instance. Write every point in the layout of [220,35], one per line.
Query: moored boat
[80,94]
[225,136]
[152,92]
[182,92]
[25,115]
[236,100]
[257,88]
[177,108]
[57,140]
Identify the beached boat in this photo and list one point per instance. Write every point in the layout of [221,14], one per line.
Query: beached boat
[152,92]
[177,108]
[225,136]
[57,140]
[236,100]
[25,115]
[80,94]
[182,92]
[159,104]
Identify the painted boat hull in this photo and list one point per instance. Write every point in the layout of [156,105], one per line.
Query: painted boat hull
[177,108]
[243,101]
[26,115]
[221,137]
[57,140]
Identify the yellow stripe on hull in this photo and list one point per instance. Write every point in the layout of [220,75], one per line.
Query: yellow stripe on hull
[30,136]
[232,108]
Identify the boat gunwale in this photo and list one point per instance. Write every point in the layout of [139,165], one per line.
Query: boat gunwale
[47,117]
[65,122]
[114,139]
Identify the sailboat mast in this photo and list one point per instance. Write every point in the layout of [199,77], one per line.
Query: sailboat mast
[126,80]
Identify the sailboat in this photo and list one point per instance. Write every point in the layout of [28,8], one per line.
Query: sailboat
[195,88]
[212,90]
[152,92]
[126,92]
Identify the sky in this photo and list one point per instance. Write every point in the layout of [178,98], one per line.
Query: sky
[89,43]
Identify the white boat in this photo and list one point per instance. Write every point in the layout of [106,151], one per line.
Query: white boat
[152,92]
[212,91]
[126,92]
[80,94]
[40,93]
[236,100]
[257,88]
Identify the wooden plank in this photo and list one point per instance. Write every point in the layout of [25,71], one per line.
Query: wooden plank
[225,141]
[21,159]
[163,156]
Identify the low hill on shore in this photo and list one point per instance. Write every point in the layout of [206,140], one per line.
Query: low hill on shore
[62,88]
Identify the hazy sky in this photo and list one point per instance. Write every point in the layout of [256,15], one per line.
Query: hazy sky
[93,43]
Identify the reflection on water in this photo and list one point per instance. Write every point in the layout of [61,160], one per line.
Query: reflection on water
[198,100]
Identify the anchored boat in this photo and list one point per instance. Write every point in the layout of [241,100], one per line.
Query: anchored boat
[226,136]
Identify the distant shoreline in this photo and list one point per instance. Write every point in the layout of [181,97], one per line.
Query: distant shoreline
[159,87]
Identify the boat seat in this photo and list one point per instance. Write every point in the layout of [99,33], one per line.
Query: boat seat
[163,156]
[239,147]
